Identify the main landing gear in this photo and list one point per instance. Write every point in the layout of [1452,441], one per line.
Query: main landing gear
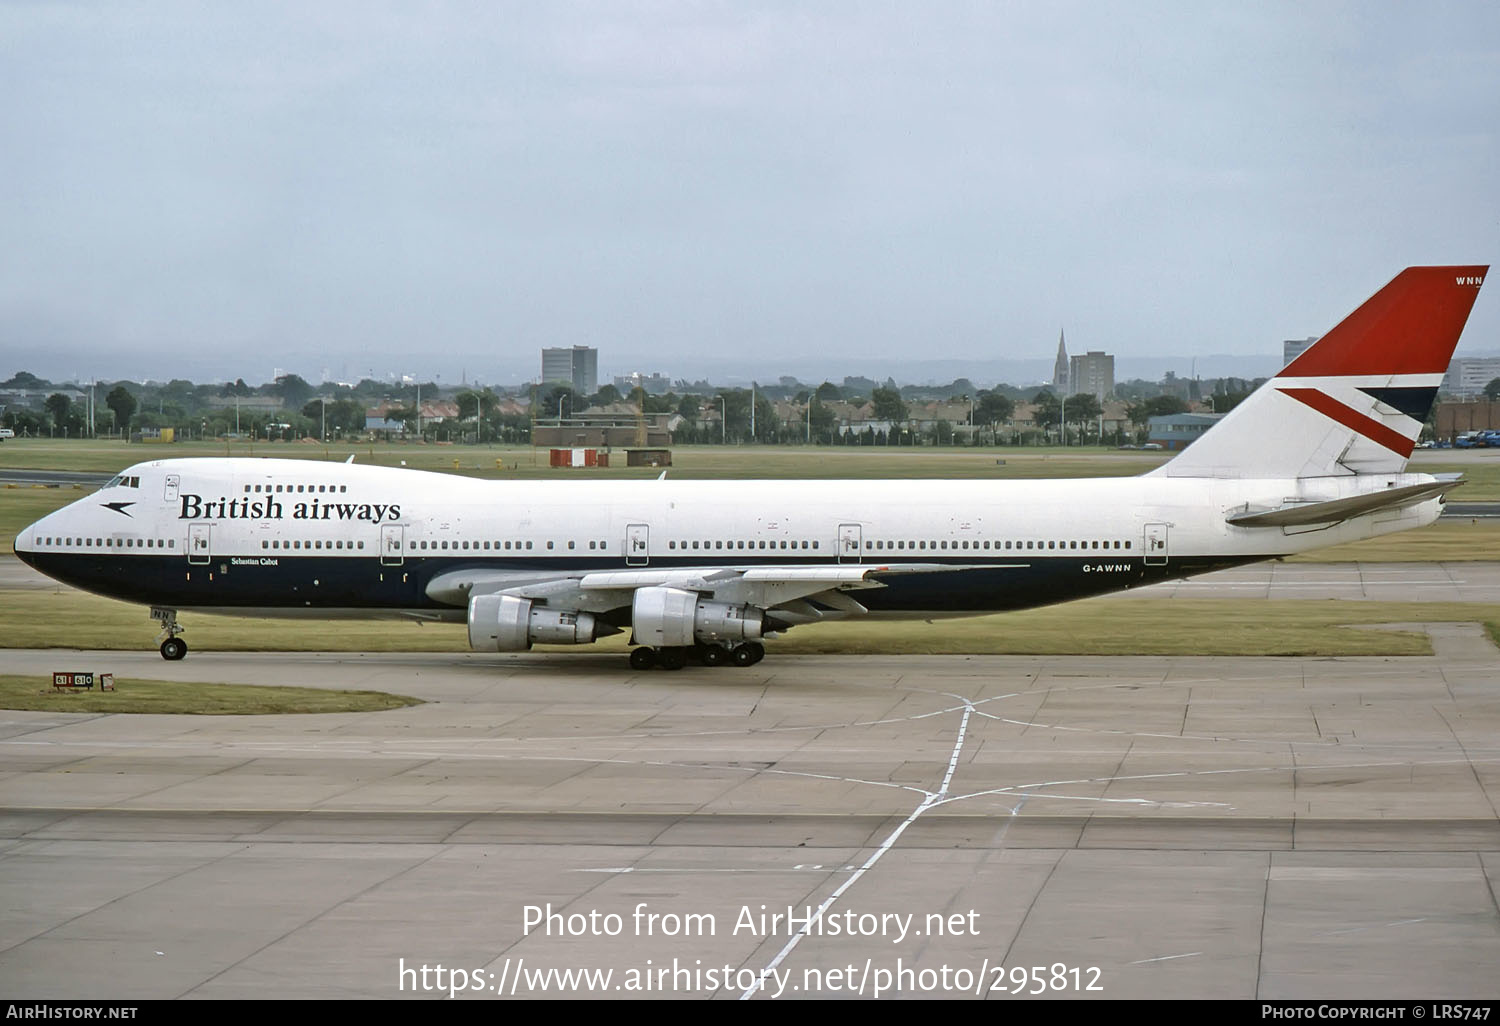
[173,648]
[676,657]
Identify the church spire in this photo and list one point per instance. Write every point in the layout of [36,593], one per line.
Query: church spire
[1060,369]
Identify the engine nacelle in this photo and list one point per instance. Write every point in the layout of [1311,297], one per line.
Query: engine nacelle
[505,623]
[672,617]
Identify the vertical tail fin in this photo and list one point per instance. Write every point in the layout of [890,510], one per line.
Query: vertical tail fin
[1353,402]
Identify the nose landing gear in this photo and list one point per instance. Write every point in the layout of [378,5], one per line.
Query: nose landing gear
[172,647]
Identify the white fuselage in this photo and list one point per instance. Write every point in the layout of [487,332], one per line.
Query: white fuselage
[341,539]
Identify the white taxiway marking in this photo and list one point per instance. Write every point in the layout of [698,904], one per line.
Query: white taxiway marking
[931,800]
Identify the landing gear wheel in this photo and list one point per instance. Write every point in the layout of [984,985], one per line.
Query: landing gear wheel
[743,655]
[671,658]
[642,658]
[714,655]
[172,647]
[757,651]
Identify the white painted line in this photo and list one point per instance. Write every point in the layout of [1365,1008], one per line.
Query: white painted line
[876,856]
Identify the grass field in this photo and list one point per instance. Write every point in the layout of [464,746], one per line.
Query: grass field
[162,696]
[702,461]
[1481,468]
[73,620]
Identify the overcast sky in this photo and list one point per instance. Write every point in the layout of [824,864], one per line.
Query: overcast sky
[212,190]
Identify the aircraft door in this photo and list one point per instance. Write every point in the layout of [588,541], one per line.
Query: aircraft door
[637,545]
[198,543]
[850,542]
[1155,544]
[171,489]
[391,544]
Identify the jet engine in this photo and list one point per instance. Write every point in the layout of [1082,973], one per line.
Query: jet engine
[505,623]
[672,617]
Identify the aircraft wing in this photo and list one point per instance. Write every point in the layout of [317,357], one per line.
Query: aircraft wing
[768,587]
[1333,510]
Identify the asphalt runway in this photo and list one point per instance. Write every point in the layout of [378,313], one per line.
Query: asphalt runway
[1154,827]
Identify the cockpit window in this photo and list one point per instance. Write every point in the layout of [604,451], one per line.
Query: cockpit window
[124,481]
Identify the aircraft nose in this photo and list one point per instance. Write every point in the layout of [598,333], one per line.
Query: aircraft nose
[25,544]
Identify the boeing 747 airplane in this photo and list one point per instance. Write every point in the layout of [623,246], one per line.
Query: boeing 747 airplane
[706,570]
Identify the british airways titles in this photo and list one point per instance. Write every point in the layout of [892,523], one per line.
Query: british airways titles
[196,507]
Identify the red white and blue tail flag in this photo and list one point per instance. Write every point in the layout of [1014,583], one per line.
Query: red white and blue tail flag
[1354,401]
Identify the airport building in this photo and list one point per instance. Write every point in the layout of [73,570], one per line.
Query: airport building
[1179,430]
[1295,347]
[1467,376]
[654,384]
[577,367]
[1454,419]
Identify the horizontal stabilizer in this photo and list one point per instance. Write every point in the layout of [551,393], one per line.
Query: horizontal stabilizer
[1334,510]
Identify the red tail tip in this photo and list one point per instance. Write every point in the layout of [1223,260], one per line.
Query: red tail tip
[1409,327]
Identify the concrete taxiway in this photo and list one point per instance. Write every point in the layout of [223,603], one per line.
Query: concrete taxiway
[1151,826]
